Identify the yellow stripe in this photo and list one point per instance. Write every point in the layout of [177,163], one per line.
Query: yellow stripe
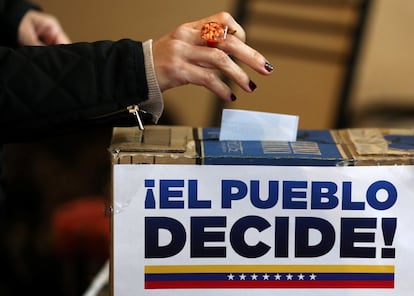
[267,268]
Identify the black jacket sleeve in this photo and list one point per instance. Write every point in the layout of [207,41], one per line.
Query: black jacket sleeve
[55,87]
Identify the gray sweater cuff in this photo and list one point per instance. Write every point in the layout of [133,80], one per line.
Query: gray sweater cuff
[155,102]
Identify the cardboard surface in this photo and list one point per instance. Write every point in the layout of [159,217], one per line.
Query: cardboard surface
[188,145]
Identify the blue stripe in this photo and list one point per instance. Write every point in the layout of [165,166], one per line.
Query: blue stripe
[186,276]
[356,276]
[283,276]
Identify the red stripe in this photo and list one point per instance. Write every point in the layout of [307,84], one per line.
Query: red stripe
[266,284]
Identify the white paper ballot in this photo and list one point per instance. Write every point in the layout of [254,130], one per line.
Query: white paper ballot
[244,125]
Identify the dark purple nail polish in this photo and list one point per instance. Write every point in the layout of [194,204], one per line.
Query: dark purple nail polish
[268,66]
[252,85]
[233,97]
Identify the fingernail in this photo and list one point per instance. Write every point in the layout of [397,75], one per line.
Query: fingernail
[233,97]
[268,66]
[252,85]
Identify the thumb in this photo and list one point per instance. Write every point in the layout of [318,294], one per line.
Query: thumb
[28,36]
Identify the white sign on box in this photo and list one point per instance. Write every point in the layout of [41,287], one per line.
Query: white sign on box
[263,230]
[244,125]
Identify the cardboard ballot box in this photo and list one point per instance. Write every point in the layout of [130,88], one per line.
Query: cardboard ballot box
[328,213]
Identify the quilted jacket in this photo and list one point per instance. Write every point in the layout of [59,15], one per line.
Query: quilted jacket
[54,88]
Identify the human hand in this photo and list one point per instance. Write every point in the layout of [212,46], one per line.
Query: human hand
[182,57]
[39,28]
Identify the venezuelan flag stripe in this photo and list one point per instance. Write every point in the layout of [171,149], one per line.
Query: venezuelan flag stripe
[268,276]
[270,285]
[267,268]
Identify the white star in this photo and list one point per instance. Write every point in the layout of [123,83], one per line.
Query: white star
[242,277]
[301,277]
[277,277]
[266,277]
[289,277]
[230,277]
[254,276]
[313,276]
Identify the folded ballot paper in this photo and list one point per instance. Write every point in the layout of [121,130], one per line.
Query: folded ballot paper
[245,125]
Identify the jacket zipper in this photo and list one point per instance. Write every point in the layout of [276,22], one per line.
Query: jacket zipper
[132,109]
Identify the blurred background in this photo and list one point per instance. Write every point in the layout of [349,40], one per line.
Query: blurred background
[338,64]
[309,42]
